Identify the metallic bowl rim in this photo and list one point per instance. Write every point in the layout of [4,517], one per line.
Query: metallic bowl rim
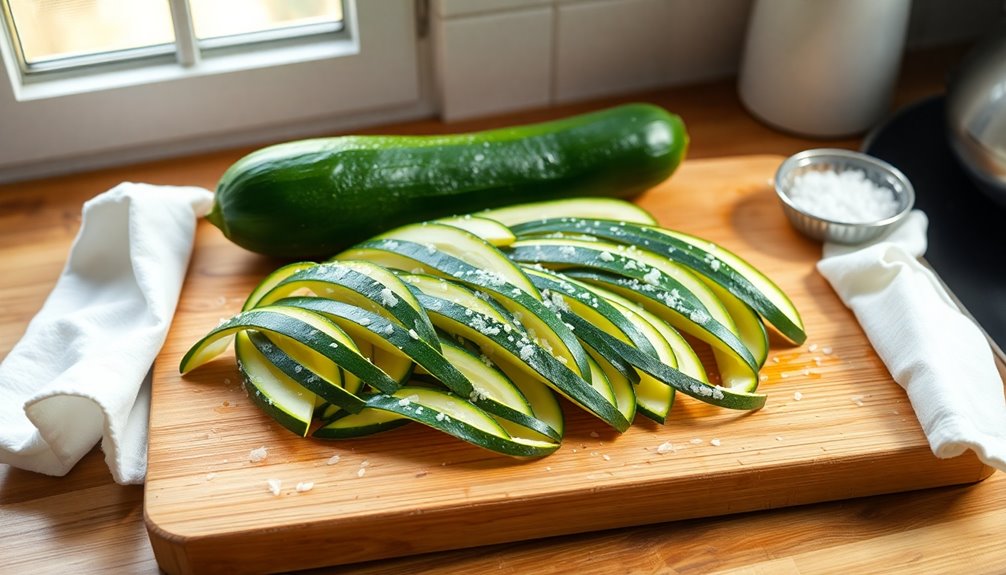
[789,163]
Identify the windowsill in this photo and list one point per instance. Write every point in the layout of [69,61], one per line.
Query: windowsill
[71,84]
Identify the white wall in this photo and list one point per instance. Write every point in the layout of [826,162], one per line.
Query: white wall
[494,56]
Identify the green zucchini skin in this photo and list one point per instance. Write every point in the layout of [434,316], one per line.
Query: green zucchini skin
[313,198]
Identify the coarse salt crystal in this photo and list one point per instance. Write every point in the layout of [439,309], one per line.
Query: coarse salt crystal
[797,395]
[665,447]
[595,434]
[695,441]
[606,457]
[388,298]
[715,442]
[304,486]
[333,460]
[812,347]
[845,196]
[258,454]
[361,472]
[274,486]
[210,476]
[413,334]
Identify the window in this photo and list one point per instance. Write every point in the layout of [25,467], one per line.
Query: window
[91,78]
[69,34]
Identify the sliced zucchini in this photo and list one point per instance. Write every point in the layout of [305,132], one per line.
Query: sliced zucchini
[524,303]
[492,384]
[713,262]
[621,387]
[271,280]
[540,397]
[703,391]
[315,374]
[290,404]
[749,326]
[394,340]
[507,346]
[305,328]
[735,371]
[454,416]
[362,284]
[602,208]
[345,425]
[575,297]
[686,302]
[486,263]
[654,398]
[489,230]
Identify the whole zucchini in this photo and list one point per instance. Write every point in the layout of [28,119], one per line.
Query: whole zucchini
[312,198]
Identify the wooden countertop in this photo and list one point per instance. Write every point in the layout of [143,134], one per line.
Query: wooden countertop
[84,523]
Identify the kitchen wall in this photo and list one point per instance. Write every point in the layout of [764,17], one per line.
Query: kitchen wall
[493,56]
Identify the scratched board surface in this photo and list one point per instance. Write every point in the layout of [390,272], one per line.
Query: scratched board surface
[835,426]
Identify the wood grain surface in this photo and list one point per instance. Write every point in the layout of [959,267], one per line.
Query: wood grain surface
[84,523]
[836,426]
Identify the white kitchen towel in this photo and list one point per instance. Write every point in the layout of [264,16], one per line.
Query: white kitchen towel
[932,350]
[77,375]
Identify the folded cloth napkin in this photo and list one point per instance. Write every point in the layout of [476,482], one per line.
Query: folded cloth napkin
[935,352]
[77,375]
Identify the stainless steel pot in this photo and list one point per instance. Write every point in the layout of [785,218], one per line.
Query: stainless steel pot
[976,114]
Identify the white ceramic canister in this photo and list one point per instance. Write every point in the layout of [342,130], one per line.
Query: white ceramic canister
[822,68]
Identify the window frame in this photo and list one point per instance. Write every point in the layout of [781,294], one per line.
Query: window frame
[227,96]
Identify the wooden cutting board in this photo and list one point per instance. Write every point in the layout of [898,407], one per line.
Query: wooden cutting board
[836,426]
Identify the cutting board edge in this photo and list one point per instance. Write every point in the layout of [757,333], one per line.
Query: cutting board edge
[310,544]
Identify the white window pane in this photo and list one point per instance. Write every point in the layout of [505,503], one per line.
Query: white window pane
[219,18]
[51,29]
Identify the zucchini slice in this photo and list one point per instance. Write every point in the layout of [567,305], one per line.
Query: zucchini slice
[524,304]
[386,335]
[505,345]
[713,262]
[452,415]
[492,384]
[345,425]
[489,230]
[735,371]
[571,296]
[687,303]
[703,391]
[323,378]
[623,394]
[290,404]
[603,208]
[271,280]
[362,284]
[300,326]
[489,263]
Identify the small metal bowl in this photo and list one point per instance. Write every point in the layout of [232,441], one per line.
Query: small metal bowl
[824,159]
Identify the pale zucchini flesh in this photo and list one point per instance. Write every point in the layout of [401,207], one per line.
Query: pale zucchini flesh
[289,403]
[601,208]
